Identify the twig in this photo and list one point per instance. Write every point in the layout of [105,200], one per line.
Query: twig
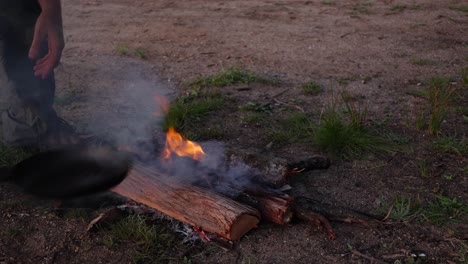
[372,259]
[350,220]
[280,93]
[94,221]
[291,105]
[346,34]
[394,256]
[317,219]
[389,212]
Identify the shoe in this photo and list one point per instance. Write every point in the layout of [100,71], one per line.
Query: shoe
[62,134]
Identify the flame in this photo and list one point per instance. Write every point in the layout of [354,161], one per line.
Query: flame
[176,144]
[125,148]
[163,104]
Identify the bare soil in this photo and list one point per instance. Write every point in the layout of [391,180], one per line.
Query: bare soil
[104,86]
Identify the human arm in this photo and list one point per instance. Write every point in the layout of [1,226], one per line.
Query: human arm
[48,28]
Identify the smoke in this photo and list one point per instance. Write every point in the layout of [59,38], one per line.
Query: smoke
[215,171]
[126,112]
[128,118]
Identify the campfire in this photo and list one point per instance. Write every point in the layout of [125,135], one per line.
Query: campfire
[227,199]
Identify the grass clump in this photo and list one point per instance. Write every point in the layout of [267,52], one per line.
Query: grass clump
[229,77]
[465,77]
[423,167]
[445,210]
[141,53]
[255,118]
[452,145]
[294,128]
[344,132]
[208,132]
[256,107]
[187,111]
[311,88]
[343,81]
[423,62]
[440,95]
[329,3]
[122,49]
[398,8]
[363,8]
[461,8]
[153,242]
[402,209]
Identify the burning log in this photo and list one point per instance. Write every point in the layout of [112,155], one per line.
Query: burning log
[277,171]
[225,200]
[190,204]
[273,208]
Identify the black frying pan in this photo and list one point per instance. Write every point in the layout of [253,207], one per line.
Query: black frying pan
[70,173]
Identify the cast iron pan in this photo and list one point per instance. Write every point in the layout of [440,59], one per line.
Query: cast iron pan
[69,173]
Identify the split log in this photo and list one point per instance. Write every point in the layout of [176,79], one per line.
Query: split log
[276,209]
[273,208]
[190,204]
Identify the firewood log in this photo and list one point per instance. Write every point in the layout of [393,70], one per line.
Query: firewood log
[189,204]
[273,208]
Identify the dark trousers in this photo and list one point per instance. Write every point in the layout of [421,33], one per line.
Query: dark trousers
[30,112]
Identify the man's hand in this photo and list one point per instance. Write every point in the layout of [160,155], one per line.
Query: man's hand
[48,28]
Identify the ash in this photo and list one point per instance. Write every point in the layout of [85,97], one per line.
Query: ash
[188,234]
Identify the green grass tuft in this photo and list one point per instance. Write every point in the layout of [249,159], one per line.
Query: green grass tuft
[345,134]
[329,3]
[186,113]
[440,96]
[122,49]
[141,53]
[465,77]
[451,145]
[208,132]
[296,127]
[403,209]
[362,8]
[461,8]
[344,81]
[423,167]
[255,118]
[398,8]
[229,77]
[445,210]
[423,62]
[311,88]
[153,241]
[415,7]
[256,107]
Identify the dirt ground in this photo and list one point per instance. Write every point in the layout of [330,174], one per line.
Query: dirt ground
[371,49]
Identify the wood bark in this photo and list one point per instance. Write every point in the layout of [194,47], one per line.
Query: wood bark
[273,207]
[189,204]
[276,209]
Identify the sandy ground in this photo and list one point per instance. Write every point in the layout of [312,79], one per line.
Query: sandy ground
[370,44]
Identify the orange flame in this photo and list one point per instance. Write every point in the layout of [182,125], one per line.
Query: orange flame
[163,104]
[176,144]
